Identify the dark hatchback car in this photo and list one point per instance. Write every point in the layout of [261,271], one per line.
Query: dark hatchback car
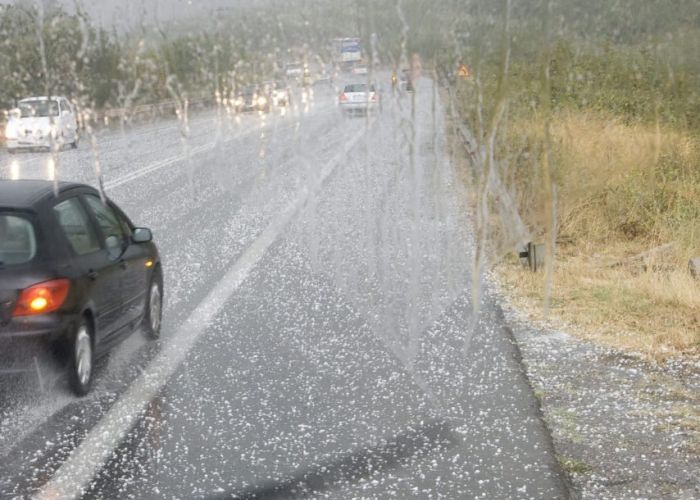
[76,276]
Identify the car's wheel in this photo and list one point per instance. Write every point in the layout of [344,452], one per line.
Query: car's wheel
[154,306]
[82,359]
[74,144]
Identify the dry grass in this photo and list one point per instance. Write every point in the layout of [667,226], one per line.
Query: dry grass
[627,182]
[654,314]
[623,189]
[631,183]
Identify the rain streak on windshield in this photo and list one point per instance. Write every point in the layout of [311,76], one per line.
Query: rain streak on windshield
[349,249]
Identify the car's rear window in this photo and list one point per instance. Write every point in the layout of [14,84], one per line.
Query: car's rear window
[38,107]
[17,240]
[358,87]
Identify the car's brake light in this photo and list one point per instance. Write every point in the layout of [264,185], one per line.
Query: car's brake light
[343,97]
[373,96]
[42,298]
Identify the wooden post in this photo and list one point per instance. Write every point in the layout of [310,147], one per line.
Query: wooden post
[534,254]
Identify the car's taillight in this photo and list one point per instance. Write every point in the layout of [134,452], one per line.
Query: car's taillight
[42,298]
[373,96]
[343,97]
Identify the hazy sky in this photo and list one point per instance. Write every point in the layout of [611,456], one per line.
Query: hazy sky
[128,13]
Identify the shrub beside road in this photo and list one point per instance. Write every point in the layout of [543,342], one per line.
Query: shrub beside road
[601,150]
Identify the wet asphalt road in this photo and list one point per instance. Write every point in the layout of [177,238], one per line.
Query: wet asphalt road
[319,334]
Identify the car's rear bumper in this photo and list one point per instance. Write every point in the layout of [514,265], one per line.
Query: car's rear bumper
[22,339]
[28,143]
[358,106]
[33,142]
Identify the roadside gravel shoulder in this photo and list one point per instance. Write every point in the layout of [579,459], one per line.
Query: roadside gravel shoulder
[623,427]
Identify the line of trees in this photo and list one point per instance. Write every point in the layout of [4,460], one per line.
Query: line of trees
[615,55]
[51,51]
[48,51]
[633,59]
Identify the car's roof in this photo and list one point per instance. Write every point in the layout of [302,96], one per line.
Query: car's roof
[25,194]
[360,84]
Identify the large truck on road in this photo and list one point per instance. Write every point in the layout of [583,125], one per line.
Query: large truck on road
[347,52]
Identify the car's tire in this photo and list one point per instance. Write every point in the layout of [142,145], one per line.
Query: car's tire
[82,359]
[154,306]
[74,144]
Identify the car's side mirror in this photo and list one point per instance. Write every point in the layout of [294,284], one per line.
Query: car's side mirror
[142,235]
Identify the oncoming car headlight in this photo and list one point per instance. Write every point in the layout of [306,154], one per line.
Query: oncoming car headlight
[11,130]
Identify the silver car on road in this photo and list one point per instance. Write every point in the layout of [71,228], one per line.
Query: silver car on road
[359,98]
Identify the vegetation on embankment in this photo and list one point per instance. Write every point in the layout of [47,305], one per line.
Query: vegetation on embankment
[599,144]
[622,189]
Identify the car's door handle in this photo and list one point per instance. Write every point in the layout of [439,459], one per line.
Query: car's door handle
[93,274]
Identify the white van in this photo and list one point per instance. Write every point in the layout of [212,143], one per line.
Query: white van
[39,122]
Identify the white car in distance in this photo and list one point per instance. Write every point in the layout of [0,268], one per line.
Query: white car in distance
[359,98]
[42,122]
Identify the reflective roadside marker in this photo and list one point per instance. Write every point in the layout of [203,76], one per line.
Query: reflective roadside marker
[50,169]
[14,170]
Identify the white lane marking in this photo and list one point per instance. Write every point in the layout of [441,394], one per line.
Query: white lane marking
[194,151]
[137,174]
[165,163]
[181,157]
[76,473]
[155,166]
[114,137]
